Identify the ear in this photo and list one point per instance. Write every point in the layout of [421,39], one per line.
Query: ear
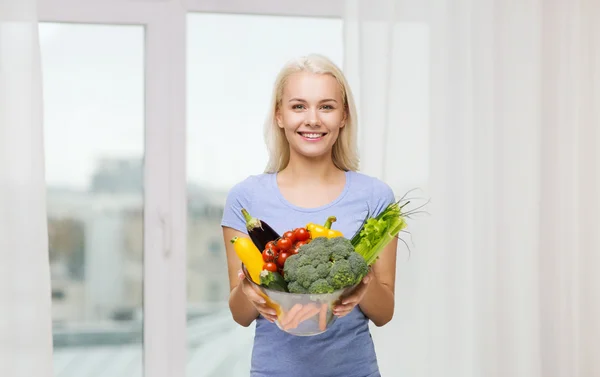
[343,123]
[278,119]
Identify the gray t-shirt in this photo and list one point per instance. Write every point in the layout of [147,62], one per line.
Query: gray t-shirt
[346,349]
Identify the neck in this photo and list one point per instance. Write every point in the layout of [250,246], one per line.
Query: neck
[306,170]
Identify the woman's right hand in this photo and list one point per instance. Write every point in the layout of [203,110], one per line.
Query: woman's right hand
[259,302]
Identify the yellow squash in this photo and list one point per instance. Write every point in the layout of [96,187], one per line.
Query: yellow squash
[249,255]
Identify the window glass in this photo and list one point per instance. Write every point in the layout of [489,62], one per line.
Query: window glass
[93,87]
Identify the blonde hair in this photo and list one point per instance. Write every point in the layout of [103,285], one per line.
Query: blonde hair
[344,153]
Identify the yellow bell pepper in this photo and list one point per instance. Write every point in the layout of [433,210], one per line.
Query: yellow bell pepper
[249,255]
[323,230]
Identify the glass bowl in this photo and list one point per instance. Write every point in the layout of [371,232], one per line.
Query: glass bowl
[301,314]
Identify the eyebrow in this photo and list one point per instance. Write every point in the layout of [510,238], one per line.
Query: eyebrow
[324,100]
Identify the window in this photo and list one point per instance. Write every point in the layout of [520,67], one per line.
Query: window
[94,139]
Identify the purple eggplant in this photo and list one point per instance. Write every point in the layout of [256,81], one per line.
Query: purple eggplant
[259,231]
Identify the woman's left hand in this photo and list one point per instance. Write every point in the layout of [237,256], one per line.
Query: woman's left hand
[349,302]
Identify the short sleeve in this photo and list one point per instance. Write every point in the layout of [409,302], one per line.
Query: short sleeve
[383,196]
[238,197]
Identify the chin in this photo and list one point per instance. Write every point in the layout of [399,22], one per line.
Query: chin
[312,152]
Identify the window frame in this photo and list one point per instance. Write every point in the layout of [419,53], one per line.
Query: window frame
[164,261]
[305,8]
[165,179]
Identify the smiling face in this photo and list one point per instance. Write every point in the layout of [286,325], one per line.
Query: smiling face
[311,113]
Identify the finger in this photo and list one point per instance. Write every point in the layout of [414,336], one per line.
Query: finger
[314,310]
[323,317]
[270,317]
[352,300]
[289,316]
[342,312]
[255,296]
[252,294]
[266,310]
[342,308]
[356,296]
[241,275]
[305,313]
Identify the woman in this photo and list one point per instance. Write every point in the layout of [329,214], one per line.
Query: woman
[311,175]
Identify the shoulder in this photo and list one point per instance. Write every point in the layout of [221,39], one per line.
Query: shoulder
[374,185]
[242,193]
[239,197]
[253,181]
[377,191]
[245,187]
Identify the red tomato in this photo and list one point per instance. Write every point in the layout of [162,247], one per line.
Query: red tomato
[290,236]
[301,234]
[272,245]
[271,266]
[282,257]
[268,255]
[296,248]
[284,244]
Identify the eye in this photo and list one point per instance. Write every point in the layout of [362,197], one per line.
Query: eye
[297,106]
[328,107]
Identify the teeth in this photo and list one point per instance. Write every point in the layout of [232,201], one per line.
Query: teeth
[312,136]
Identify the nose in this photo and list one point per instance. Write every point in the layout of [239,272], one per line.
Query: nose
[312,118]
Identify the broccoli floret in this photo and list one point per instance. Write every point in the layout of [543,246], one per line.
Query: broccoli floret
[323,270]
[291,267]
[324,265]
[319,256]
[320,286]
[358,265]
[339,252]
[343,241]
[341,274]
[305,275]
[319,241]
[295,287]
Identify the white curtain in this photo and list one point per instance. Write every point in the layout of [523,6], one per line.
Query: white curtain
[503,277]
[25,311]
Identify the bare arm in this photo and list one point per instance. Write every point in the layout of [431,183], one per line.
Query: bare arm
[378,301]
[241,294]
[375,295]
